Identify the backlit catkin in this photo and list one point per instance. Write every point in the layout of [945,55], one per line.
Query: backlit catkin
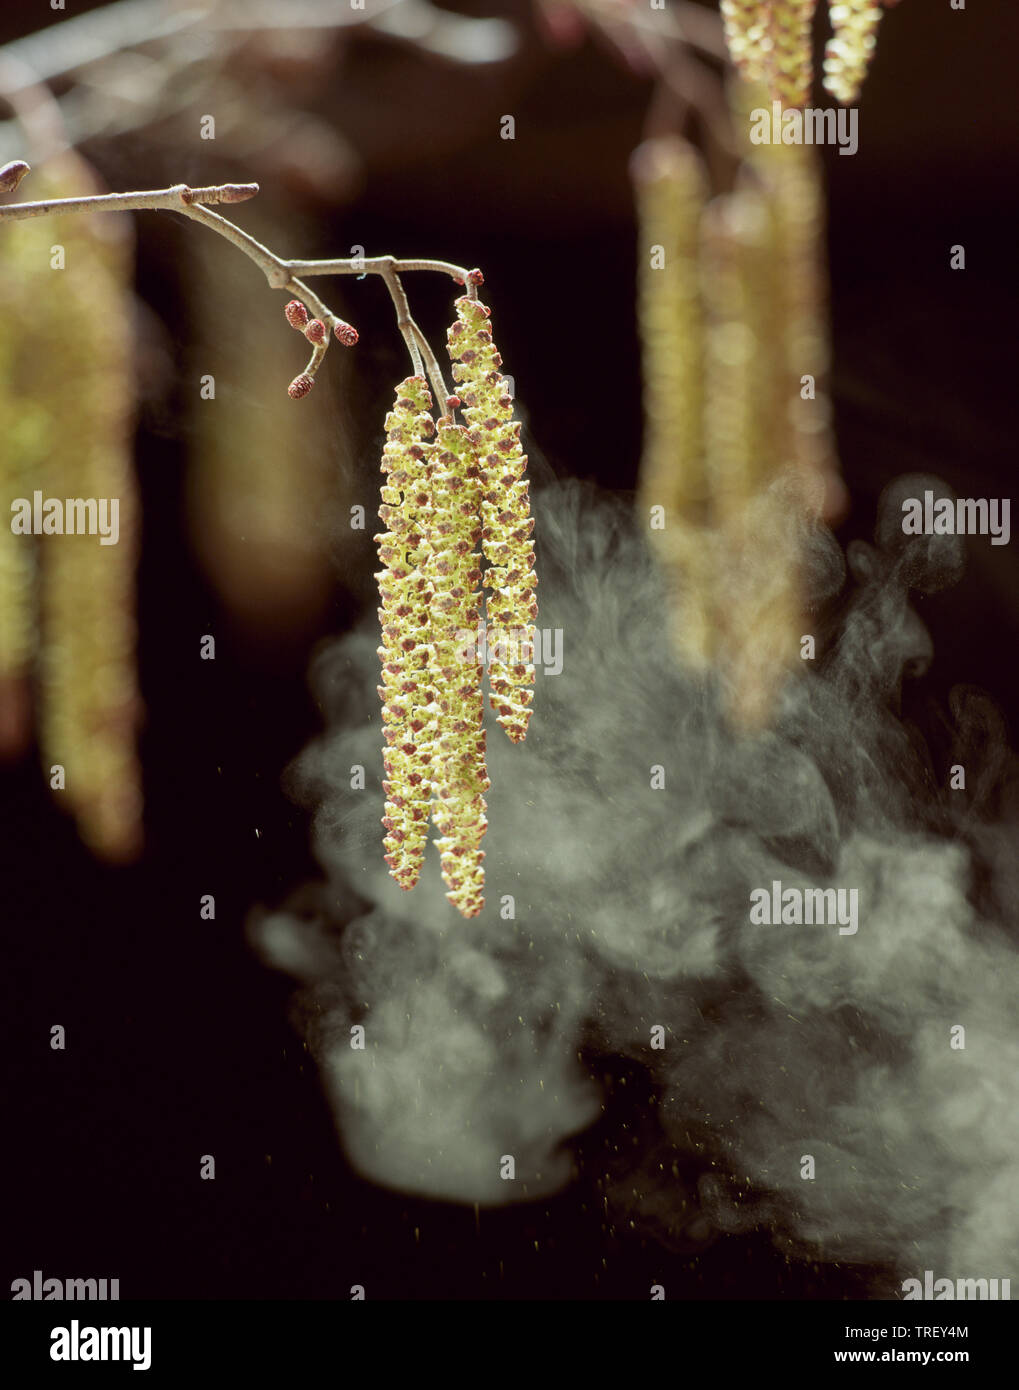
[450,500]
[505,515]
[848,52]
[790,66]
[408,698]
[746,32]
[770,43]
[460,778]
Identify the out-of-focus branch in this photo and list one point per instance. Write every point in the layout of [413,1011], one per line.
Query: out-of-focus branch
[75,43]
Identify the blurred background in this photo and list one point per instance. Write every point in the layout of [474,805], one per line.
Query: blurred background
[386,135]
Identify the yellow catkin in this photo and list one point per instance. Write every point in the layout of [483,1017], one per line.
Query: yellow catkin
[849,51]
[73,368]
[790,68]
[460,778]
[406,652]
[506,524]
[671,186]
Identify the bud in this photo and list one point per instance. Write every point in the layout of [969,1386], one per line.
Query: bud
[12,174]
[297,314]
[315,331]
[475,277]
[346,333]
[300,386]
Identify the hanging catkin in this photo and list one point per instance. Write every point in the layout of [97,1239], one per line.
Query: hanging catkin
[506,525]
[445,496]
[408,708]
[460,776]
[73,373]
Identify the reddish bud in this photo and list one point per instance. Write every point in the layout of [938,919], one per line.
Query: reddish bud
[300,386]
[475,277]
[297,314]
[12,174]
[346,333]
[315,331]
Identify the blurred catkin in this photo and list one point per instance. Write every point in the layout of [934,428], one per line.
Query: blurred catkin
[69,384]
[746,31]
[671,186]
[770,43]
[791,65]
[849,51]
[726,420]
[257,490]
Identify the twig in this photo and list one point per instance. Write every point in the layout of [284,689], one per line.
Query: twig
[280,274]
[169,199]
[403,319]
[374,265]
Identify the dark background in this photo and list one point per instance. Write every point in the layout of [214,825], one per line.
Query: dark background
[178,1039]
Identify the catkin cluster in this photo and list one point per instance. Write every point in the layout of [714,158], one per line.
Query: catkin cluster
[731,299]
[453,495]
[67,381]
[770,44]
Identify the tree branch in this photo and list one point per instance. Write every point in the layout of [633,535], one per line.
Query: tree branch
[279,273]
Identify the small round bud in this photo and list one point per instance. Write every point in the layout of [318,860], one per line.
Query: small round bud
[452,402]
[297,314]
[346,333]
[475,277]
[300,386]
[315,332]
[12,174]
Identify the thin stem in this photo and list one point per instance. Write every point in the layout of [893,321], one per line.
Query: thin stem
[169,199]
[434,370]
[403,319]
